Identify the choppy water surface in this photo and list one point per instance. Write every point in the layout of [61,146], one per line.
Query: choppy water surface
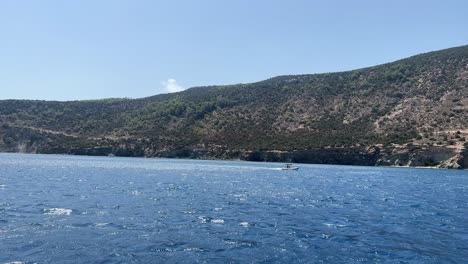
[70,209]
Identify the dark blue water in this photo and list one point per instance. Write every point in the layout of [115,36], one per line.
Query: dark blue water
[71,209]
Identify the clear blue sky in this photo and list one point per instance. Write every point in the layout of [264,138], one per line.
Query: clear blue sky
[88,49]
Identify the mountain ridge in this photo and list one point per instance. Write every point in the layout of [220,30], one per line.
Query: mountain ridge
[417,103]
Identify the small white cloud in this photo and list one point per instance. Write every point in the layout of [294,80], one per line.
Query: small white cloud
[172,86]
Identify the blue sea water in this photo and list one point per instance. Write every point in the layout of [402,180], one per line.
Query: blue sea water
[75,209]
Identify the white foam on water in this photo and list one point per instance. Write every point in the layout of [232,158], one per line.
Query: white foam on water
[193,249]
[58,211]
[204,219]
[217,221]
[217,209]
[135,192]
[334,225]
[100,224]
[15,262]
[102,213]
[244,224]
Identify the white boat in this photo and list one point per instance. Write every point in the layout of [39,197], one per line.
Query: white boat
[289,166]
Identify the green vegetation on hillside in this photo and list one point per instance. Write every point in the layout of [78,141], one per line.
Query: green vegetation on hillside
[407,101]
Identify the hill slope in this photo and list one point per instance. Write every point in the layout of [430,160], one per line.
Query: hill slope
[409,112]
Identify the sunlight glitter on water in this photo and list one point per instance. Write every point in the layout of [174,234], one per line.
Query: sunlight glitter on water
[145,210]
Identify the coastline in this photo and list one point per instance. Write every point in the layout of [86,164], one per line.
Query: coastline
[428,158]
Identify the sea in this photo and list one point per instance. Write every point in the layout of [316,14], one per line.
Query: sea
[80,209]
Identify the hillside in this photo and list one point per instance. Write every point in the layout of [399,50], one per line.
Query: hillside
[412,112]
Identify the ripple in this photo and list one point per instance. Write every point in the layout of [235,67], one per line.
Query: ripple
[324,214]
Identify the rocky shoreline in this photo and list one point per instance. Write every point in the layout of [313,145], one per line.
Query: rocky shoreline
[399,156]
